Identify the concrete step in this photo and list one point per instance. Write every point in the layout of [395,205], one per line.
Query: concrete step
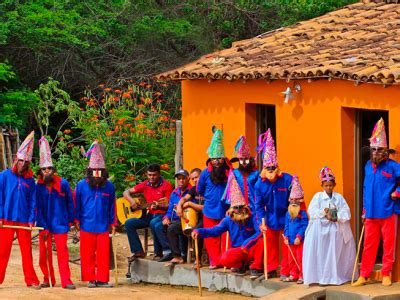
[144,270]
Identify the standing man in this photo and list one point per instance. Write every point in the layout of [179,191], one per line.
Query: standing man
[55,214]
[272,201]
[18,207]
[95,214]
[247,173]
[211,186]
[154,189]
[380,194]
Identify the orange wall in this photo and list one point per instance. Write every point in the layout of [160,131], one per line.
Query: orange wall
[309,128]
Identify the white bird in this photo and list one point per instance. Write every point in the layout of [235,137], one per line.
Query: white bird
[288,95]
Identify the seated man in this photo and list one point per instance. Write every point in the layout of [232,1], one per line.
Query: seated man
[155,188]
[173,221]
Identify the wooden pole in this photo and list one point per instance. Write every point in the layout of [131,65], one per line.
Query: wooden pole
[196,248]
[265,251]
[358,253]
[291,252]
[226,245]
[23,227]
[115,259]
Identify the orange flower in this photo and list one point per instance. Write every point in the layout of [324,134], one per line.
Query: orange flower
[148,86]
[124,135]
[156,94]
[101,85]
[121,121]
[147,101]
[128,125]
[109,133]
[70,145]
[142,83]
[132,129]
[140,106]
[141,126]
[116,99]
[126,95]
[120,143]
[66,131]
[61,138]
[130,178]
[164,167]
[117,128]
[107,89]
[150,132]
[139,117]
[118,91]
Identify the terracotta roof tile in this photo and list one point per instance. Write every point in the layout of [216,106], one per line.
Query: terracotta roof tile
[359,42]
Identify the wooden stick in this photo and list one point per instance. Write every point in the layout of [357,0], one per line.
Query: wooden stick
[226,245]
[358,253]
[265,251]
[196,247]
[291,252]
[22,227]
[115,259]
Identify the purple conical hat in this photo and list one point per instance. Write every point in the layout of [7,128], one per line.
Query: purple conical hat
[378,138]
[242,149]
[297,191]
[44,153]
[326,174]
[233,194]
[96,157]
[25,151]
[269,158]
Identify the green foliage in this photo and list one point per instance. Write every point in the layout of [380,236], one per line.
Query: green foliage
[16,101]
[81,43]
[135,123]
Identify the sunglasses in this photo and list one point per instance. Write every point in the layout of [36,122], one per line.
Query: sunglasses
[271,168]
[376,149]
[46,168]
[217,158]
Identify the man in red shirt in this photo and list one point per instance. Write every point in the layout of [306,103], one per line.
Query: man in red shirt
[154,189]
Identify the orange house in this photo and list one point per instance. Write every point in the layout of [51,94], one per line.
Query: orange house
[320,85]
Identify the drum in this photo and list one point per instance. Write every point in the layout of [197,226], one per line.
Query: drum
[189,220]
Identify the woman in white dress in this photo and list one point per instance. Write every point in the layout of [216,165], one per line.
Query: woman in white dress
[329,248]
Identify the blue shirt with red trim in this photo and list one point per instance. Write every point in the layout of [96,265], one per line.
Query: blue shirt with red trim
[241,235]
[379,183]
[272,201]
[214,207]
[176,195]
[296,227]
[95,207]
[55,206]
[248,183]
[17,198]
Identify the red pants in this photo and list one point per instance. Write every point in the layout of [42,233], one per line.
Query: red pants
[294,270]
[273,237]
[46,258]
[25,245]
[215,246]
[95,256]
[374,229]
[235,257]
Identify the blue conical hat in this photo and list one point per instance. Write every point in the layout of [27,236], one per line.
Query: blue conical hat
[216,148]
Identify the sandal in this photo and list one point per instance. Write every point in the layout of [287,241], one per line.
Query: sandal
[174,261]
[300,281]
[289,279]
[194,266]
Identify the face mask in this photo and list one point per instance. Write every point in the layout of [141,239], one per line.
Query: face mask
[96,173]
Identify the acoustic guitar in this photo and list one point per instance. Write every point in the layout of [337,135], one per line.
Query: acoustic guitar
[125,211]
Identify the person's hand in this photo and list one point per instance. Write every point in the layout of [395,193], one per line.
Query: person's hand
[179,210]
[133,204]
[45,234]
[1,223]
[113,230]
[286,241]
[326,210]
[195,234]
[393,195]
[77,226]
[153,205]
[263,228]
[186,205]
[166,221]
[297,241]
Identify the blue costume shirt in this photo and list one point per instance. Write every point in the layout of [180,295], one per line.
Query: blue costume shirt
[296,227]
[379,183]
[241,235]
[17,198]
[214,207]
[272,200]
[55,208]
[95,207]
[250,181]
[176,195]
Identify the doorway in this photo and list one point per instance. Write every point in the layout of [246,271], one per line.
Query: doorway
[265,118]
[365,122]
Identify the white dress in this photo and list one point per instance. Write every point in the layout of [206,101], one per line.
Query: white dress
[329,250]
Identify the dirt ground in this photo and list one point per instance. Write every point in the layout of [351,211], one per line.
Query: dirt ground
[15,288]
